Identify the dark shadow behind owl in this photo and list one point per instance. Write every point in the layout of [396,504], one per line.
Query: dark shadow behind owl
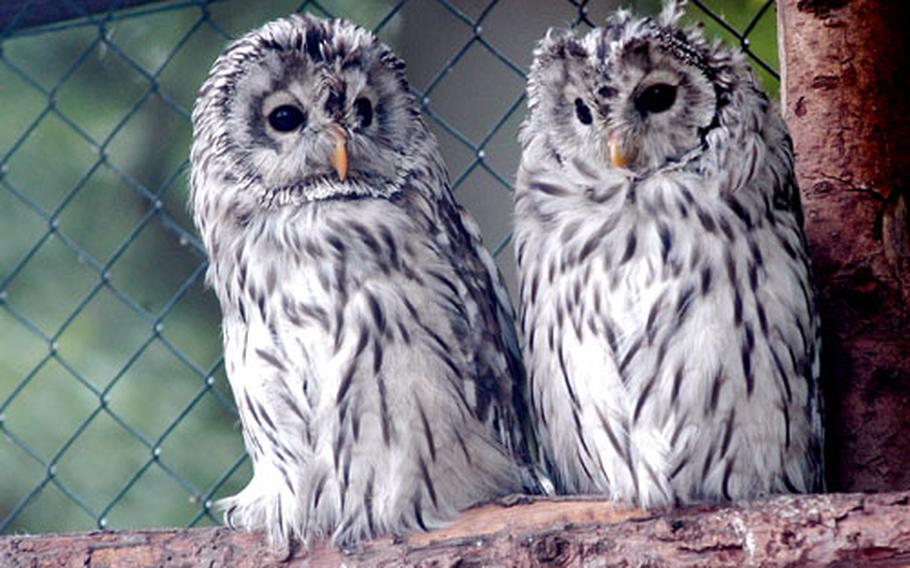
[669,323]
[368,339]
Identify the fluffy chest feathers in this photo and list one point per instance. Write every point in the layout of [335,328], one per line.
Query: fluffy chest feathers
[308,282]
[604,252]
[367,363]
[308,299]
[656,314]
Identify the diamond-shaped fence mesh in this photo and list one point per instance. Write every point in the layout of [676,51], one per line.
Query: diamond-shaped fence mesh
[114,408]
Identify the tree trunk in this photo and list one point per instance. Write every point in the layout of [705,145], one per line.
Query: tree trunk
[846,98]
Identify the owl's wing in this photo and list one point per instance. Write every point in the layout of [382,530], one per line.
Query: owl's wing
[501,390]
[786,198]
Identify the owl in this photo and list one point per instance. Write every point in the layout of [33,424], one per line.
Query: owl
[669,325]
[368,340]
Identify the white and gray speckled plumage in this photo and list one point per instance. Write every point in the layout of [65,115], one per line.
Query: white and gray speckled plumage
[669,324]
[368,340]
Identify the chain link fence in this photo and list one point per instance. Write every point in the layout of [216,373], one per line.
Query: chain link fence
[114,408]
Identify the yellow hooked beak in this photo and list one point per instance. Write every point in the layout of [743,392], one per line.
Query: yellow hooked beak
[340,153]
[616,155]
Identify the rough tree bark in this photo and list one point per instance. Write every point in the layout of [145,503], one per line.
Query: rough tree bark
[846,97]
[806,531]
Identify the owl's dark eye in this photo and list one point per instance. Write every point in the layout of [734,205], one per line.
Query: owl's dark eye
[582,112]
[364,110]
[656,98]
[287,118]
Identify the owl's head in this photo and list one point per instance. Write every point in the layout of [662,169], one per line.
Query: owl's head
[636,93]
[305,109]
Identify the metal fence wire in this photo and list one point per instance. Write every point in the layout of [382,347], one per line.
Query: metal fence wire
[114,408]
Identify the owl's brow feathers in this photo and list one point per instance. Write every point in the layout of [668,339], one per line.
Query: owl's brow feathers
[316,41]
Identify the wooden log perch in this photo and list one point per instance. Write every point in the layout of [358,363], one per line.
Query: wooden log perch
[815,530]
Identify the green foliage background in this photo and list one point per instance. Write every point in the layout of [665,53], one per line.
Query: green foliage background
[114,408]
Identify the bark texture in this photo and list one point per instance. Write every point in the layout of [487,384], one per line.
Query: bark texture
[846,97]
[826,530]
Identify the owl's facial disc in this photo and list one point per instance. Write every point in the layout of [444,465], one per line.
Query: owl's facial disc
[311,109]
[286,116]
[311,138]
[655,94]
[315,129]
[655,107]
